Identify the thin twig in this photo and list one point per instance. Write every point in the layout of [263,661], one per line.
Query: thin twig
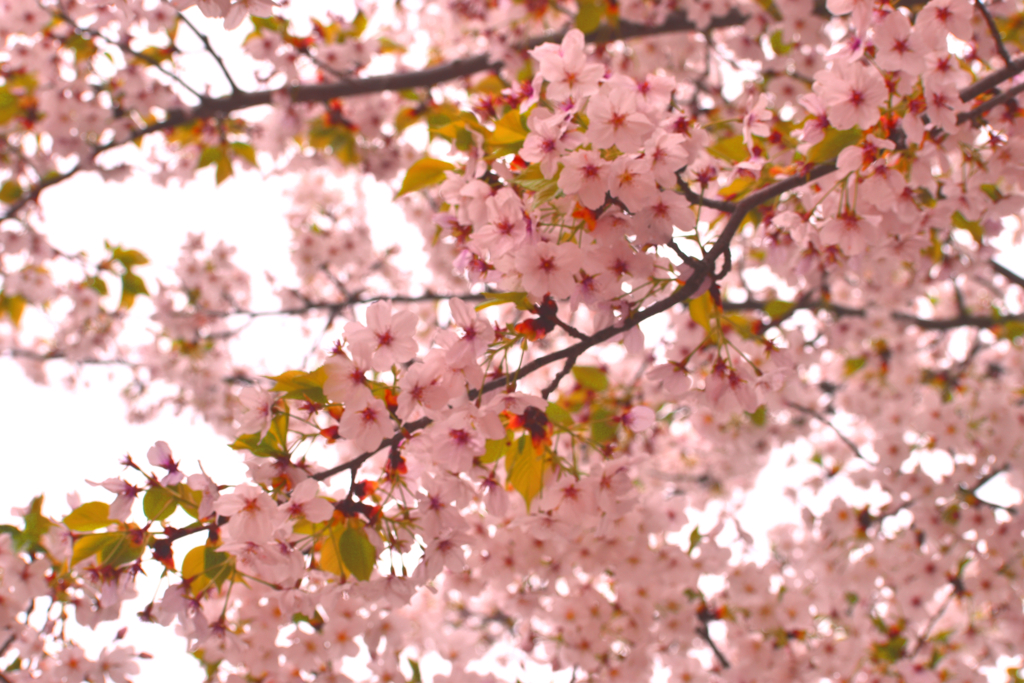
[994,30]
[81,31]
[824,420]
[7,643]
[553,384]
[1001,98]
[213,53]
[702,631]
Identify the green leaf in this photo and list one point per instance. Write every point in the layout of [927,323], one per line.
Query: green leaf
[188,499]
[126,547]
[779,309]
[131,285]
[973,227]
[301,385]
[273,445]
[13,307]
[590,14]
[224,170]
[424,173]
[731,149]
[759,416]
[702,309]
[88,517]
[244,151]
[210,155]
[1011,329]
[330,552]
[358,554]
[36,525]
[10,192]
[128,257]
[158,504]
[738,187]
[494,450]
[891,651]
[508,130]
[852,365]
[559,415]
[204,565]
[694,539]
[520,299]
[835,142]
[603,427]
[525,467]
[97,285]
[417,677]
[591,378]
[779,46]
[87,546]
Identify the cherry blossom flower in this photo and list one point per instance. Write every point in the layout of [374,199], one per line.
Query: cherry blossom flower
[630,181]
[851,232]
[667,154]
[254,516]
[940,17]
[585,174]
[306,504]
[548,268]
[549,138]
[160,456]
[365,424]
[897,47]
[421,391]
[852,95]
[346,380]
[565,68]
[386,339]
[615,121]
[259,410]
[755,121]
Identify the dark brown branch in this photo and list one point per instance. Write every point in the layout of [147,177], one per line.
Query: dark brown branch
[7,643]
[336,307]
[1001,98]
[991,81]
[703,270]
[983,322]
[1000,46]
[1007,273]
[124,46]
[705,635]
[425,78]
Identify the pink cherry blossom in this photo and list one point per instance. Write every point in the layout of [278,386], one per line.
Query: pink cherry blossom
[548,268]
[365,424]
[386,339]
[253,515]
[585,174]
[852,95]
[565,68]
[160,456]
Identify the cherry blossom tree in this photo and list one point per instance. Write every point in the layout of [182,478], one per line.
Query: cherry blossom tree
[665,240]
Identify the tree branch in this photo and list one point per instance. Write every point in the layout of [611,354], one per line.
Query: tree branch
[213,53]
[1000,46]
[810,412]
[1007,273]
[702,271]
[933,324]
